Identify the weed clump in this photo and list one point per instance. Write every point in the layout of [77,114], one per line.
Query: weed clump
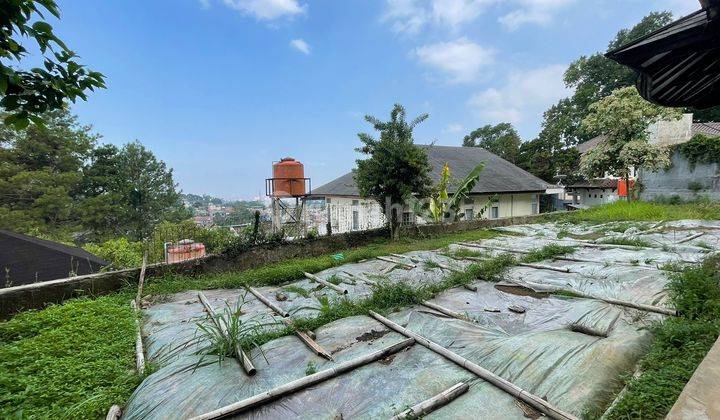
[680,344]
[548,252]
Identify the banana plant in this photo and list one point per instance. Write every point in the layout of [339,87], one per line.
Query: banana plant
[442,206]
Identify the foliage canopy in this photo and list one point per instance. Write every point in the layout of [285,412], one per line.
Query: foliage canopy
[26,95]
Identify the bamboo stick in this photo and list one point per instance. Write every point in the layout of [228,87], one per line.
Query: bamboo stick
[244,359]
[618,263]
[446,311]
[139,351]
[470,287]
[310,341]
[400,263]
[326,283]
[481,372]
[114,413]
[304,337]
[545,267]
[141,282]
[278,310]
[433,403]
[640,306]
[304,382]
[689,238]
[494,248]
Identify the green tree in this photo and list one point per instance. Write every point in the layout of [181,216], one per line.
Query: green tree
[26,95]
[396,169]
[128,191]
[501,139]
[623,118]
[40,174]
[593,78]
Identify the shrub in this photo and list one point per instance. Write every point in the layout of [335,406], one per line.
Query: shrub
[120,253]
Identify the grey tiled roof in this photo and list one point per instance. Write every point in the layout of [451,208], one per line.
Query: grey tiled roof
[498,176]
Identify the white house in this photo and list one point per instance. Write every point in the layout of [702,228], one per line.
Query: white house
[518,191]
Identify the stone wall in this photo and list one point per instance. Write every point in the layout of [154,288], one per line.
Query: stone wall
[683,180]
[39,295]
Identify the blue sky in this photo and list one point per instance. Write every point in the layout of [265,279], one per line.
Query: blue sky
[221,88]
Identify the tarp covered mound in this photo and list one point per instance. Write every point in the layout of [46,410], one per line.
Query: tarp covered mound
[568,350]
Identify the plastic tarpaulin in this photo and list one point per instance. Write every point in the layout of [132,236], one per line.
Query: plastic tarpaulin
[570,351]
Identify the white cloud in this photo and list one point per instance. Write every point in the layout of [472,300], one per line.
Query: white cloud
[454,128]
[523,97]
[267,9]
[461,59]
[408,17]
[300,45]
[539,12]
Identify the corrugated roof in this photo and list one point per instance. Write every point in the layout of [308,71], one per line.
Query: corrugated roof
[678,65]
[25,259]
[499,175]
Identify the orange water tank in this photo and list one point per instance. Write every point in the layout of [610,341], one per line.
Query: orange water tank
[288,178]
[623,187]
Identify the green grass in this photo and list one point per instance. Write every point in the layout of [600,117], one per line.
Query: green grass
[290,270]
[680,344]
[548,252]
[644,211]
[461,253]
[68,361]
[291,288]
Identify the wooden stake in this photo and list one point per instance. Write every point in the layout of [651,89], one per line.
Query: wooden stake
[400,263]
[545,267]
[304,382]
[481,372]
[139,352]
[448,312]
[689,238]
[141,282]
[244,359]
[432,404]
[278,310]
[326,283]
[114,413]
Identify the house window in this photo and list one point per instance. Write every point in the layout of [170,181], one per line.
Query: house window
[534,205]
[327,200]
[494,212]
[469,214]
[469,201]
[355,220]
[407,218]
[355,202]
[601,195]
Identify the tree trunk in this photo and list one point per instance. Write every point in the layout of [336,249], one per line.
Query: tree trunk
[627,185]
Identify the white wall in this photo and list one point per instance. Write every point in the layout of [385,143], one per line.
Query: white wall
[370,215]
[596,196]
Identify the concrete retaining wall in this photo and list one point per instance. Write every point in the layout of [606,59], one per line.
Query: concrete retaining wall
[679,179]
[39,295]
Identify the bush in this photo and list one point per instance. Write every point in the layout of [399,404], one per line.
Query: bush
[120,253]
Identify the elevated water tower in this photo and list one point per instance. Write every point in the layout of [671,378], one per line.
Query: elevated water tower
[287,189]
